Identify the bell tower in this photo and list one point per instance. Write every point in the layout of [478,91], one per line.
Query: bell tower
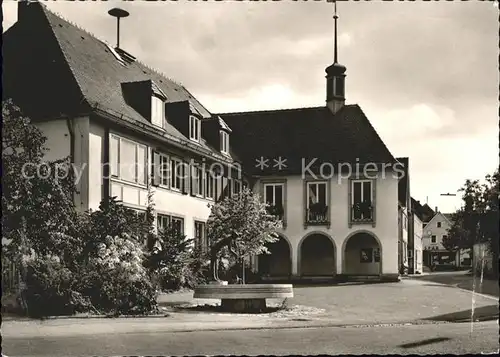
[335,74]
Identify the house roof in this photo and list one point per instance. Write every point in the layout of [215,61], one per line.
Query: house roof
[97,75]
[424,212]
[403,184]
[436,216]
[94,82]
[305,135]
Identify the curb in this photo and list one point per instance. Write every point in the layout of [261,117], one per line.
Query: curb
[488,296]
[493,297]
[82,317]
[312,325]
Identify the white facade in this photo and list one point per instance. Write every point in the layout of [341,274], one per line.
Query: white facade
[383,232]
[403,237]
[89,168]
[434,233]
[418,230]
[381,236]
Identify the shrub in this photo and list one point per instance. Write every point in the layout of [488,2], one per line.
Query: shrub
[115,279]
[173,261]
[50,289]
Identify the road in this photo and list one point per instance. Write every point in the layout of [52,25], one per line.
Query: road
[450,338]
[463,280]
[365,306]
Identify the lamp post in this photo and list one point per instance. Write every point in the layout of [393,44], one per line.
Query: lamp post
[457,254]
[449,194]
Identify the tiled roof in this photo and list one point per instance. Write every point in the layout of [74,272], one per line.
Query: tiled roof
[98,74]
[304,134]
[417,208]
[424,212]
[403,181]
[95,76]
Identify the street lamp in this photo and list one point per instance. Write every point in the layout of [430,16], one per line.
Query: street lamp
[458,251]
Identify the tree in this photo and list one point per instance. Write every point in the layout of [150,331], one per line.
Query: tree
[37,196]
[239,227]
[67,259]
[477,220]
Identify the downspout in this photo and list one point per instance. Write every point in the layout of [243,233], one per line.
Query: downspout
[106,172]
[71,131]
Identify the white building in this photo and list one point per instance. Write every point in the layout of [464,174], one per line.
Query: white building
[328,174]
[435,231]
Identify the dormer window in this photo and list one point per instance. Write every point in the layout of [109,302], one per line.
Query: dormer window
[157,111]
[224,142]
[194,128]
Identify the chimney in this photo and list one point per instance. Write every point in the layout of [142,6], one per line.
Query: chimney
[436,211]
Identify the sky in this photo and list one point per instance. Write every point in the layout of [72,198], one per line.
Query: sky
[425,73]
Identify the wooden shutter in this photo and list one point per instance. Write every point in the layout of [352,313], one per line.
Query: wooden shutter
[185,180]
[192,175]
[156,169]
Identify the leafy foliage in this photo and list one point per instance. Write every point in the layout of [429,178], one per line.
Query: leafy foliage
[239,227]
[115,279]
[70,261]
[477,220]
[112,219]
[37,197]
[50,289]
[173,262]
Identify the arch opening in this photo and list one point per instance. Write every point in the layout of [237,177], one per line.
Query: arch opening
[362,255]
[278,263]
[317,256]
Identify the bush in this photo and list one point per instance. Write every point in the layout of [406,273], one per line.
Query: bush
[112,281]
[174,263]
[50,289]
[115,279]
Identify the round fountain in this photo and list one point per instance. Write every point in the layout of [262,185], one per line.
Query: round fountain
[243,297]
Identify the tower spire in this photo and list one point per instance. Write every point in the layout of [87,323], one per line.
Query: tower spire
[335,73]
[335,17]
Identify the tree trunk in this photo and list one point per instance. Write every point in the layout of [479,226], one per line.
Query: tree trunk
[213,256]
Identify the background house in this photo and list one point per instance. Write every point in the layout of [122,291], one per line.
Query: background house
[434,232]
[416,255]
[405,239]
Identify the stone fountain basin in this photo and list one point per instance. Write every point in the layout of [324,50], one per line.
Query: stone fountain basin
[243,297]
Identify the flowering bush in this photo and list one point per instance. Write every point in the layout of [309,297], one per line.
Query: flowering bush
[99,258]
[116,280]
[51,288]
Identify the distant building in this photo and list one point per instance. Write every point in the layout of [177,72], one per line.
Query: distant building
[405,240]
[435,231]
[417,231]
